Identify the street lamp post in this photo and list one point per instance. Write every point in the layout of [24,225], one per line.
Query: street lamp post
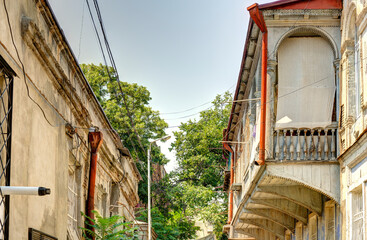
[149,200]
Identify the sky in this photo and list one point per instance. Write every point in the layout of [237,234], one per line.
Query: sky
[184,51]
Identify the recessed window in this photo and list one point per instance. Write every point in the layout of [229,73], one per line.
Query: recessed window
[357,214]
[305,68]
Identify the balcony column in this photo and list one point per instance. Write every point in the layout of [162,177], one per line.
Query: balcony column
[337,100]
[269,143]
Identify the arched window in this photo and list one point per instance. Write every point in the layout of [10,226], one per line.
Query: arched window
[306,82]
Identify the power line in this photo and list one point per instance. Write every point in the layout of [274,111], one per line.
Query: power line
[272,100]
[81,31]
[112,61]
[187,110]
[23,69]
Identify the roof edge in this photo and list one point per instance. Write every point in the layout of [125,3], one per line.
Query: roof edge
[277,3]
[249,29]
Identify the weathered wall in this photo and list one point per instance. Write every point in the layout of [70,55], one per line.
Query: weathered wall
[42,153]
[309,179]
[353,120]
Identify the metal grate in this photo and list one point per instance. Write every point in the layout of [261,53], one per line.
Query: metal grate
[6,107]
[34,234]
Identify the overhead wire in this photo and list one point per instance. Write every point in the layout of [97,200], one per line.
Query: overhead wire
[187,110]
[112,61]
[190,115]
[23,69]
[81,31]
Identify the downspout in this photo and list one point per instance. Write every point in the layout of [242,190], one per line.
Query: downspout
[258,18]
[95,138]
[230,210]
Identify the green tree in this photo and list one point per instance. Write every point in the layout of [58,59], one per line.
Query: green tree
[197,146]
[177,227]
[189,193]
[130,115]
[109,228]
[136,122]
[192,202]
[191,190]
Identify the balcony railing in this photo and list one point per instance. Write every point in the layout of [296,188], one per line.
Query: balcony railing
[305,144]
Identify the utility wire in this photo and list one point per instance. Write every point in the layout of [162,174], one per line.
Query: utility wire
[113,65]
[187,110]
[81,31]
[23,69]
[272,100]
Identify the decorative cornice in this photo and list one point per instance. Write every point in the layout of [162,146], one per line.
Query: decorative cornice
[34,39]
[73,67]
[310,12]
[303,22]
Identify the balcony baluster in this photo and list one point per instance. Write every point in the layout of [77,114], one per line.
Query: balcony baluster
[304,144]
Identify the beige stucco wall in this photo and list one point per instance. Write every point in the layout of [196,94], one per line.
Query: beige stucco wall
[353,174]
[41,153]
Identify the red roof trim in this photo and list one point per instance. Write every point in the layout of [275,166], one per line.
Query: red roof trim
[303,4]
[277,3]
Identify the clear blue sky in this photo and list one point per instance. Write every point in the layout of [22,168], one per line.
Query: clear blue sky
[184,51]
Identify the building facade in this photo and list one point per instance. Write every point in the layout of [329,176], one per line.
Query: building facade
[353,120]
[282,139]
[47,111]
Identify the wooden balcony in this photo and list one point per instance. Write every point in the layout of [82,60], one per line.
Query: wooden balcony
[304,144]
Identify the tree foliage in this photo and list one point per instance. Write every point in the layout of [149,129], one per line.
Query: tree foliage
[148,125]
[192,189]
[191,192]
[109,228]
[176,227]
[197,146]
[117,107]
[123,111]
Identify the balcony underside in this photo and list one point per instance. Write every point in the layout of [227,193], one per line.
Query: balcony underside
[286,193]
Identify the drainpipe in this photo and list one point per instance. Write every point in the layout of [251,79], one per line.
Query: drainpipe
[95,138]
[230,211]
[258,18]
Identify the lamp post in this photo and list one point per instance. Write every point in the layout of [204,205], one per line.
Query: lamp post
[149,200]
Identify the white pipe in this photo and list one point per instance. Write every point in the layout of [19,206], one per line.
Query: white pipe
[10,190]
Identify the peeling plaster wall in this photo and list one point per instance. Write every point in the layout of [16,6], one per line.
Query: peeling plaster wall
[43,155]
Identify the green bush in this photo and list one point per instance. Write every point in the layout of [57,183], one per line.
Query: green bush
[109,228]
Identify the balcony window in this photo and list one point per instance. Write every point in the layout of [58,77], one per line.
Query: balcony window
[306,85]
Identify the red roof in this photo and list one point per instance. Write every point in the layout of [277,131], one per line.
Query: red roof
[303,4]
